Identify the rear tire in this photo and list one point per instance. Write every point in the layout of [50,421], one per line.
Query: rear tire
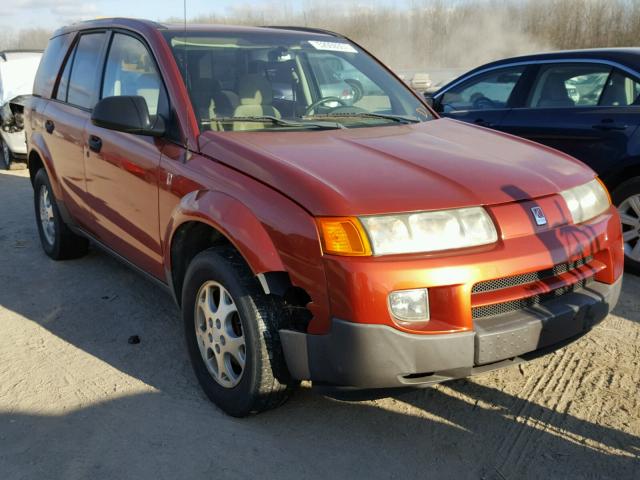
[57,240]
[5,155]
[256,379]
[627,198]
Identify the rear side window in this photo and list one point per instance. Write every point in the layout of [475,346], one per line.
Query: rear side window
[50,65]
[569,85]
[83,81]
[63,86]
[487,91]
[621,91]
[131,70]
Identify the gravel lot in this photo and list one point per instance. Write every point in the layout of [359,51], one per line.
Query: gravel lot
[77,401]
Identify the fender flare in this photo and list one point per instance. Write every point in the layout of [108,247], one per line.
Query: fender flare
[234,220]
[38,146]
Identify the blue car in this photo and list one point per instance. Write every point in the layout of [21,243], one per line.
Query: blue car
[585,103]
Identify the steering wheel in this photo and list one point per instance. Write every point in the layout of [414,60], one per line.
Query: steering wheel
[321,101]
[482,103]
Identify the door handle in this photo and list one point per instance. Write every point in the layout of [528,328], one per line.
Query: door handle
[49,126]
[95,143]
[483,123]
[608,124]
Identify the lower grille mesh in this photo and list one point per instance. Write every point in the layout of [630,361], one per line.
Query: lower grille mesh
[523,303]
[523,279]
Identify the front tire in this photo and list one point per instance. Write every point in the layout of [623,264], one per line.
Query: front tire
[231,329]
[57,240]
[627,199]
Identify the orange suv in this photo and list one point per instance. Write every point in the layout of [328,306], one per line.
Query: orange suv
[313,218]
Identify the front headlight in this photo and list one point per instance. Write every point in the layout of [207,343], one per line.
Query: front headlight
[587,201]
[429,231]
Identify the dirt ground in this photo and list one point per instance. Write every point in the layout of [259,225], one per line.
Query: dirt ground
[77,401]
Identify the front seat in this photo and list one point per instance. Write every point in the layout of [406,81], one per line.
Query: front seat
[554,93]
[256,97]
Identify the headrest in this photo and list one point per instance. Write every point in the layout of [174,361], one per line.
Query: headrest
[254,89]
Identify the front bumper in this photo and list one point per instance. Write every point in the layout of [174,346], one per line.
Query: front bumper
[378,356]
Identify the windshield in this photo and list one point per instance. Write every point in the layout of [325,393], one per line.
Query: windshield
[247,81]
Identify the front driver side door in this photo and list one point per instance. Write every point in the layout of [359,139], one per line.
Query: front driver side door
[122,168]
[483,99]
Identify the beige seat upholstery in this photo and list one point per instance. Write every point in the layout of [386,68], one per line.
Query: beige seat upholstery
[256,97]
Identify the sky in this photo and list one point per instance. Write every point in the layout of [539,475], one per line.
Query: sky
[51,14]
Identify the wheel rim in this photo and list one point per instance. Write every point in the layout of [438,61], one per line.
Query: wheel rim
[46,215]
[219,334]
[630,216]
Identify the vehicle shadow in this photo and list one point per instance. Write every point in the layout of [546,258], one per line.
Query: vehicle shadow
[166,428]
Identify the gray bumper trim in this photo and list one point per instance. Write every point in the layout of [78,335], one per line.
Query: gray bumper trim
[378,356]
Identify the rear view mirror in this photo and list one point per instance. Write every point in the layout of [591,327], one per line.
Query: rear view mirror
[128,114]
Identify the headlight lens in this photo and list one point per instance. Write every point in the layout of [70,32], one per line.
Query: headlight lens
[429,231]
[587,201]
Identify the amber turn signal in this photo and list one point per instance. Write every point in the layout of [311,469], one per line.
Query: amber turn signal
[343,236]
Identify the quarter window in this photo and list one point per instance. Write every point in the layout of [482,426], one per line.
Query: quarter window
[84,72]
[131,70]
[620,91]
[569,85]
[63,86]
[486,91]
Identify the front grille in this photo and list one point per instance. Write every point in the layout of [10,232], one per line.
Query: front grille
[517,280]
[523,303]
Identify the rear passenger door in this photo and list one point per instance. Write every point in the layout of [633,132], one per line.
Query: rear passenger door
[483,99]
[584,109]
[122,168]
[65,118]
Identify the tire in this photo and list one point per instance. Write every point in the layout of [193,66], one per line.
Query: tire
[627,199]
[57,240]
[5,155]
[263,382]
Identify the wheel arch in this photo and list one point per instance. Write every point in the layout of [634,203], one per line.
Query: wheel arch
[618,178]
[205,219]
[40,157]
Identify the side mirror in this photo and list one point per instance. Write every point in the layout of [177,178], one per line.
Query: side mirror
[433,103]
[128,114]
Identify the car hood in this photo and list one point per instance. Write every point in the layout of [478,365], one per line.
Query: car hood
[433,165]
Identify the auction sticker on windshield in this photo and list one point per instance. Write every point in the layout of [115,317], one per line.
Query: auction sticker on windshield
[333,46]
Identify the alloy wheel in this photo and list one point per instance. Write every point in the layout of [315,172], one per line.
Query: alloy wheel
[219,334]
[46,215]
[630,216]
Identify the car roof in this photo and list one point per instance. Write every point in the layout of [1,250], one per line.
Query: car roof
[625,56]
[140,24]
[629,56]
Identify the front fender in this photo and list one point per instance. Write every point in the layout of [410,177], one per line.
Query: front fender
[231,218]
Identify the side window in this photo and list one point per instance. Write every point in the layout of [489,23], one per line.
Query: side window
[569,85]
[620,91]
[50,65]
[63,86]
[130,70]
[486,91]
[84,71]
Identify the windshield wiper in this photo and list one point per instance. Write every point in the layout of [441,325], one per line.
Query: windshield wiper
[277,121]
[396,118]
